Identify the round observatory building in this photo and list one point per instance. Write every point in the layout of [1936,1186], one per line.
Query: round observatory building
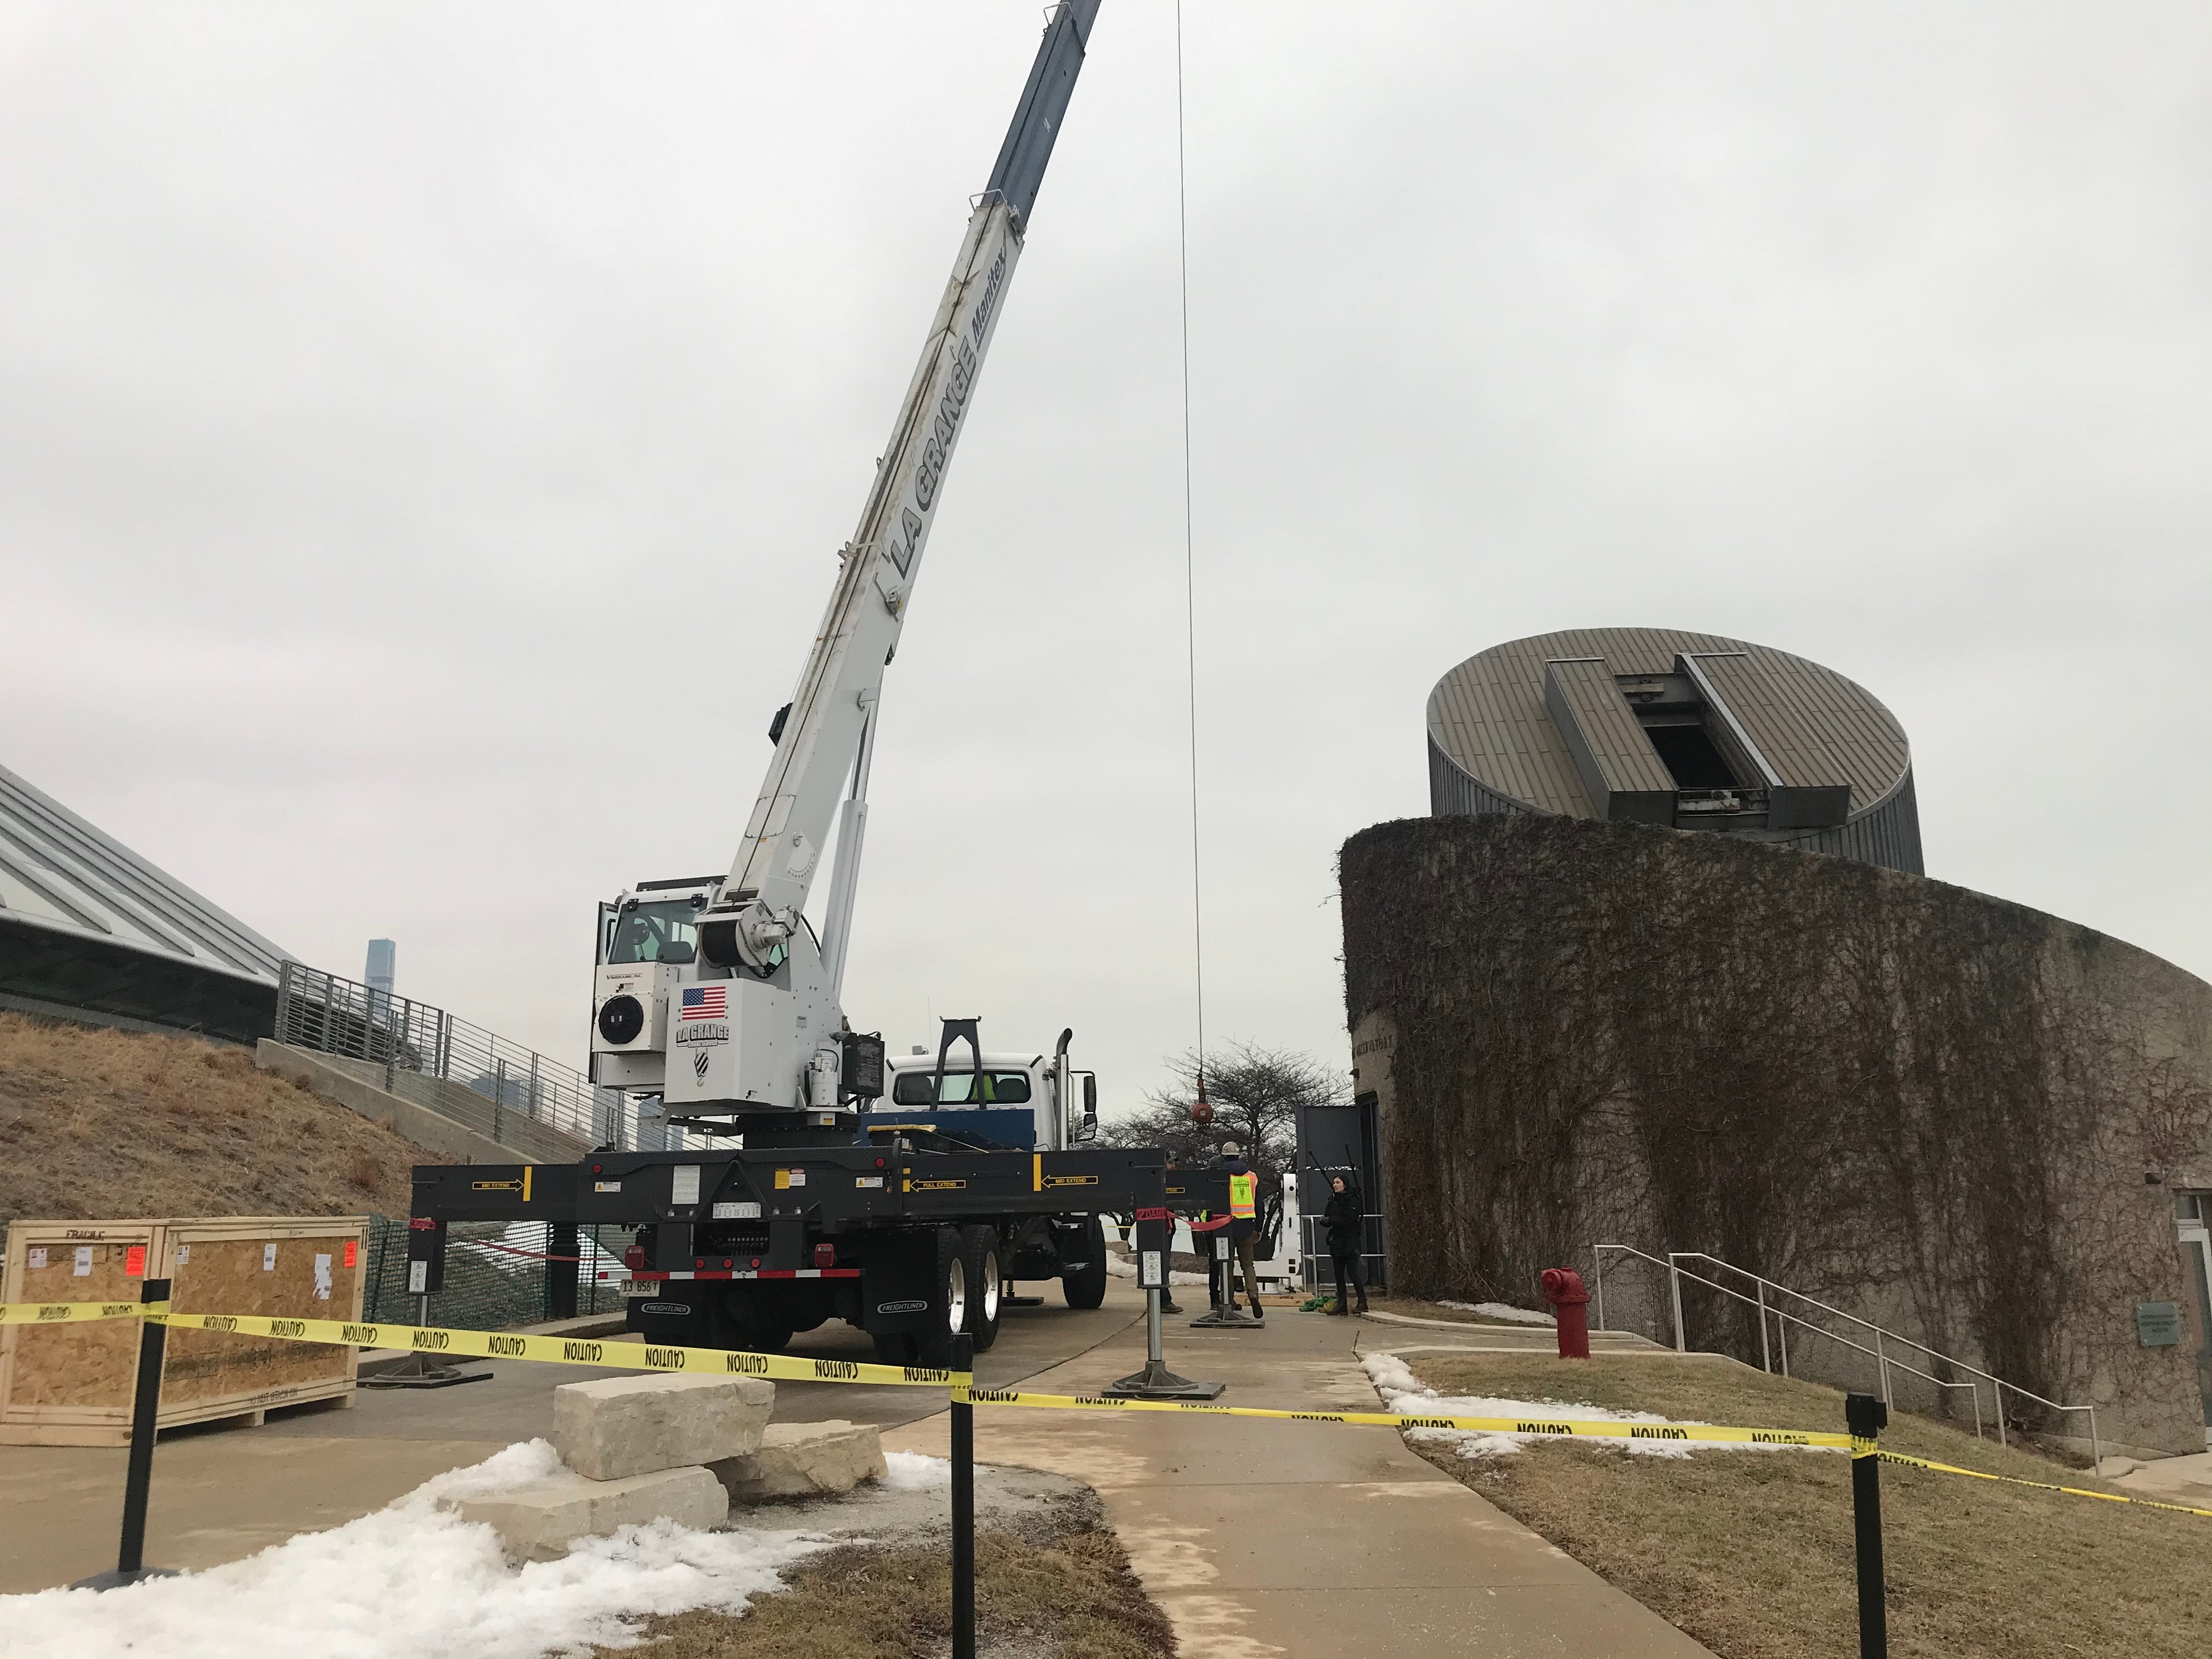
[1685,730]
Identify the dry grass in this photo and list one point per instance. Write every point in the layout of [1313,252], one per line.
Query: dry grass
[1751,1552]
[109,1124]
[1071,1598]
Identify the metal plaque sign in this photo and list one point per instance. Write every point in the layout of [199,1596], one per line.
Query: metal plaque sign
[2158,1324]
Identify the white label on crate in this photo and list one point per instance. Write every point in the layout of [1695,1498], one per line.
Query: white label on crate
[268,1258]
[1148,1270]
[607,1186]
[322,1279]
[799,1177]
[184,1255]
[742,1211]
[83,1269]
[418,1278]
[686,1186]
[38,1257]
[867,1181]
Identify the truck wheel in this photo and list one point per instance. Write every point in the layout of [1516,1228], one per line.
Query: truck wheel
[1085,1287]
[980,1260]
[948,1304]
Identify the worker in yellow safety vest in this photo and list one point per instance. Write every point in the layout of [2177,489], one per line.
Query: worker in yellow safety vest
[1243,1222]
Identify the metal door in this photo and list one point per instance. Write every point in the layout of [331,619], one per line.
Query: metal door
[2196,1249]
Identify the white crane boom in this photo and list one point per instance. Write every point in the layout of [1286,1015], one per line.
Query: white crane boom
[826,730]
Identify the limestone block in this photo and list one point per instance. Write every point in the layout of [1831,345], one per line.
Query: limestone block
[539,1521]
[803,1460]
[625,1426]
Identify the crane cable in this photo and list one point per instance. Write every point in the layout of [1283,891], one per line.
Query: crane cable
[1189,568]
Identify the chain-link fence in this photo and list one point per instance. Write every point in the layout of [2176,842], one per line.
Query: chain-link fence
[497,1275]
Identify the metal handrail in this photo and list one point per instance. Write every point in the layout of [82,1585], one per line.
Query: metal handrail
[1883,1360]
[511,1092]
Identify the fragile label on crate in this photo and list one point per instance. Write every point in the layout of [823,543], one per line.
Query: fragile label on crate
[322,1279]
[134,1262]
[83,1269]
[268,1258]
[685,1188]
[183,1253]
[352,1251]
[38,1257]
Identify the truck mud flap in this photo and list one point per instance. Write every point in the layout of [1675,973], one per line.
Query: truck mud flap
[675,1314]
[896,1269]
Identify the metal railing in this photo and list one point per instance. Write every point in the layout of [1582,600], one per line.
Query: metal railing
[1884,1340]
[476,1076]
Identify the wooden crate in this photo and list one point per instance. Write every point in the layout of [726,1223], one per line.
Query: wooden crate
[71,1385]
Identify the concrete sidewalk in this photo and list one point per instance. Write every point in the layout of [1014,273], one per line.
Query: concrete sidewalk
[1322,1540]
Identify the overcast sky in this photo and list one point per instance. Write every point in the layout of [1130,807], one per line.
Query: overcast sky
[426,431]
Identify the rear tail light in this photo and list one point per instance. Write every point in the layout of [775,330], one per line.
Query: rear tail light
[825,1255]
[634,1258]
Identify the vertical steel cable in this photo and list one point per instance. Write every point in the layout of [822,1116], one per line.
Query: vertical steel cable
[1190,562]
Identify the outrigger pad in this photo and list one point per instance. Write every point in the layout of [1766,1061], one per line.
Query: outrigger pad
[1156,1382]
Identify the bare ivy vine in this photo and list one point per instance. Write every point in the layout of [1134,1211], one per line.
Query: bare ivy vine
[1854,1081]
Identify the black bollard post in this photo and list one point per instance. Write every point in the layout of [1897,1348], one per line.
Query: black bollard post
[138,1475]
[963,1508]
[1867,1417]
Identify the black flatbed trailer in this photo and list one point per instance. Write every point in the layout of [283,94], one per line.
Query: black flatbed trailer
[746,1246]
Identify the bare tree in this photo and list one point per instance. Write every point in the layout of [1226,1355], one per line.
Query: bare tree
[1255,1094]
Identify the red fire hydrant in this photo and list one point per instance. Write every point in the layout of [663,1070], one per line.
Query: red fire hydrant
[1563,1288]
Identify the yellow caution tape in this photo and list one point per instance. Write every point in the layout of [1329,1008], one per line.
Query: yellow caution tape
[64,1313]
[561,1350]
[2041,1486]
[1610,1429]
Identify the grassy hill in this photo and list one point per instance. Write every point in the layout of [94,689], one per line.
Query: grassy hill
[109,1125]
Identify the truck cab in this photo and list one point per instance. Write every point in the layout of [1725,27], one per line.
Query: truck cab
[1022,1102]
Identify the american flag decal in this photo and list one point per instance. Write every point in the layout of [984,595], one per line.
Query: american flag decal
[706,1002]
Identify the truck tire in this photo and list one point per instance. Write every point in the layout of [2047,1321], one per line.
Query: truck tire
[1086,1287]
[980,1257]
[948,1302]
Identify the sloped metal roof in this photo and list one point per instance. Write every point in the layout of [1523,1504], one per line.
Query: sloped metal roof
[1488,717]
[62,877]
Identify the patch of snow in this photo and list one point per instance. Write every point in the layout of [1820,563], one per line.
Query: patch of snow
[1500,1310]
[413,1580]
[1407,1394]
[914,1471]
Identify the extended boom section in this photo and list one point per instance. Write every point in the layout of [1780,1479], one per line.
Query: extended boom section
[901,1195]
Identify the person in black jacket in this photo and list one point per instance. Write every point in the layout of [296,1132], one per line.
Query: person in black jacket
[1344,1217]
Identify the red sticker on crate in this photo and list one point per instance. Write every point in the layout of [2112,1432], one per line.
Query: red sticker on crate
[352,1247]
[134,1262]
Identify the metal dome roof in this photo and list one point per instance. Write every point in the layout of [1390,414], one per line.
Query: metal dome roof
[1663,726]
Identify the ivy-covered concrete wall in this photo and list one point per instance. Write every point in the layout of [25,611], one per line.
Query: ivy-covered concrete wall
[1963,1116]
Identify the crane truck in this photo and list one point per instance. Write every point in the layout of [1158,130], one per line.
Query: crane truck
[814,1197]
